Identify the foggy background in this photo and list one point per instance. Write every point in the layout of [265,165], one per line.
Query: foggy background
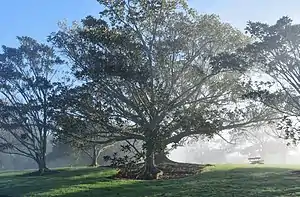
[263,142]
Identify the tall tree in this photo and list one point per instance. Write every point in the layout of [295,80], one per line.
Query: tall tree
[26,83]
[148,62]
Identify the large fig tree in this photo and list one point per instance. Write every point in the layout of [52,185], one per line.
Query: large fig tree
[149,65]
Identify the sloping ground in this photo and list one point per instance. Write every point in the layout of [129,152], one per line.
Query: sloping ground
[222,180]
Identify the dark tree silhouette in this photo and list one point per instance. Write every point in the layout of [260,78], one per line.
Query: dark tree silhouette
[26,85]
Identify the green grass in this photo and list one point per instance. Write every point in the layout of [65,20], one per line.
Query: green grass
[222,180]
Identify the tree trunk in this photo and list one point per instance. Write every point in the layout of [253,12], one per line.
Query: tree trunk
[150,168]
[95,156]
[161,157]
[94,162]
[42,165]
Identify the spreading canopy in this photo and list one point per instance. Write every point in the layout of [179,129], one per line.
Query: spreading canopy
[149,63]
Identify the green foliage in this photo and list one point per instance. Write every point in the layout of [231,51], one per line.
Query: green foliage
[81,116]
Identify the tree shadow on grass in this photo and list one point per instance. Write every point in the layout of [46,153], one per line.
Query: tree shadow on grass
[64,172]
[257,181]
[22,184]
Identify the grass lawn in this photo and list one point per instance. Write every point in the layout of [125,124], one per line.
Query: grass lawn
[222,180]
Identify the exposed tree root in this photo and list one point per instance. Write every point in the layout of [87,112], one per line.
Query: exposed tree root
[93,165]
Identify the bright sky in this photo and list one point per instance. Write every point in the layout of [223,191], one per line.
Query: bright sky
[38,18]
[238,12]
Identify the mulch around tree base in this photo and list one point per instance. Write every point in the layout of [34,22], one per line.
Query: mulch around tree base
[170,171]
[180,170]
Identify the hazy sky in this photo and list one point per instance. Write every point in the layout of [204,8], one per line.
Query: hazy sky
[238,12]
[38,18]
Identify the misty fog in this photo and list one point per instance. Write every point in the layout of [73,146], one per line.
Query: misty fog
[261,142]
[192,154]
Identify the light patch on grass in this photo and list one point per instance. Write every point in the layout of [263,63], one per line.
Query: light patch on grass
[266,174]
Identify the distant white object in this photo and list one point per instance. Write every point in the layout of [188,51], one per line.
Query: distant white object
[256,160]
